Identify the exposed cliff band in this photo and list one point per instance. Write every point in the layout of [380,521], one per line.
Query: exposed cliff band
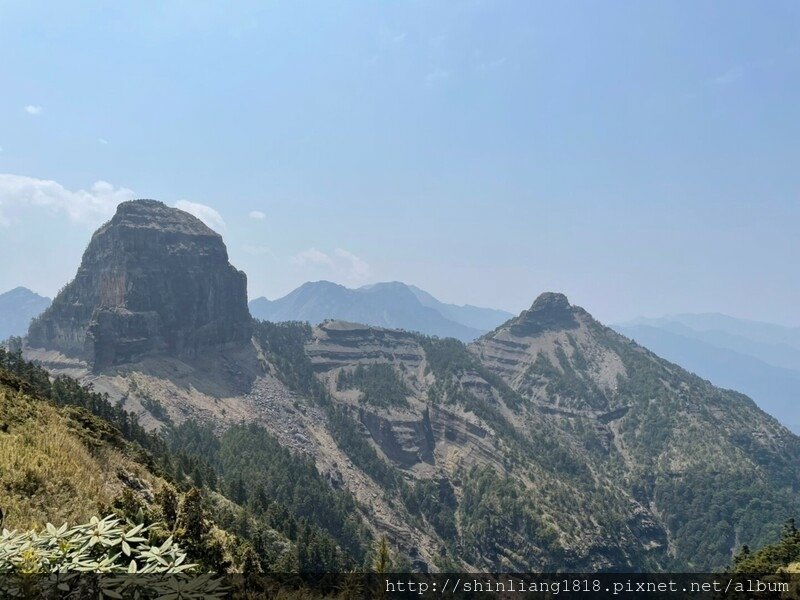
[153,279]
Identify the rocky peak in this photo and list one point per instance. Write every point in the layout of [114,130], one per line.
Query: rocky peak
[550,311]
[153,279]
[550,301]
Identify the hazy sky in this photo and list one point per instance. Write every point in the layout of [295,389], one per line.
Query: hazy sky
[642,157]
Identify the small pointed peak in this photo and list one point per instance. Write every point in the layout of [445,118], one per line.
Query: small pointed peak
[550,311]
[550,300]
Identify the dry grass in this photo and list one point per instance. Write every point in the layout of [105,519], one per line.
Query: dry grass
[47,474]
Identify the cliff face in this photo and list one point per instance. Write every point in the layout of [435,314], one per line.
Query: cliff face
[153,279]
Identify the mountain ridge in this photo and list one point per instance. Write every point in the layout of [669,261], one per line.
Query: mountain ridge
[764,365]
[389,304]
[18,307]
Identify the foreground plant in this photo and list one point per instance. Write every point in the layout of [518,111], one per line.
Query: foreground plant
[100,546]
[112,557]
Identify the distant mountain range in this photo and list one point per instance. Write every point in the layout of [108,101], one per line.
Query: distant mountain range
[393,305]
[17,308]
[761,360]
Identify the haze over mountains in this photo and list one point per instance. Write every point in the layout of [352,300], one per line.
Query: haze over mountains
[17,308]
[394,305]
[761,360]
[552,442]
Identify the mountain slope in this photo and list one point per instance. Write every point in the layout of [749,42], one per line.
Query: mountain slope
[61,465]
[697,457]
[67,454]
[776,390]
[392,305]
[17,308]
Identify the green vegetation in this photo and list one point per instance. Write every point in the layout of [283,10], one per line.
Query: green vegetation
[104,545]
[282,490]
[436,501]
[348,434]
[567,384]
[784,554]
[448,359]
[33,380]
[660,438]
[499,521]
[284,344]
[66,464]
[380,384]
[723,491]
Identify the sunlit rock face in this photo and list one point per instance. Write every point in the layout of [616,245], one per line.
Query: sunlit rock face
[153,279]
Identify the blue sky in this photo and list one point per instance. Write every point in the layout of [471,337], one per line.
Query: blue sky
[641,157]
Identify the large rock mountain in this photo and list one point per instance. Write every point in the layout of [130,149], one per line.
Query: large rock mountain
[153,279]
[392,305]
[17,308]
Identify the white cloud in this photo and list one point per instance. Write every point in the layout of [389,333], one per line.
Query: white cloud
[257,215]
[342,265]
[730,76]
[436,75]
[103,141]
[257,250]
[312,256]
[1,148]
[205,213]
[491,65]
[89,207]
[357,268]
[33,109]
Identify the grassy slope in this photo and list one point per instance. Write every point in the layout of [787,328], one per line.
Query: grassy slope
[59,464]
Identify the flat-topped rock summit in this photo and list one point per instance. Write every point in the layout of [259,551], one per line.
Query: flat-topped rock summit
[152,279]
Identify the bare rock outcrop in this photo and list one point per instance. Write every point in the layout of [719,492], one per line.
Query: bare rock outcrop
[154,279]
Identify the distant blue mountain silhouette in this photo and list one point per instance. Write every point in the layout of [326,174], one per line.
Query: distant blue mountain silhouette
[17,308]
[761,360]
[395,305]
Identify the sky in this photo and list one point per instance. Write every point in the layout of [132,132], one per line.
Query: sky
[641,157]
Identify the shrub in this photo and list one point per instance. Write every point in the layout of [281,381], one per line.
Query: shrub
[99,546]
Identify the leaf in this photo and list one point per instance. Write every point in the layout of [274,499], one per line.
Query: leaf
[132,567]
[126,548]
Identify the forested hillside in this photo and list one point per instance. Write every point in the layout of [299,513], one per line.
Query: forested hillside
[68,455]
